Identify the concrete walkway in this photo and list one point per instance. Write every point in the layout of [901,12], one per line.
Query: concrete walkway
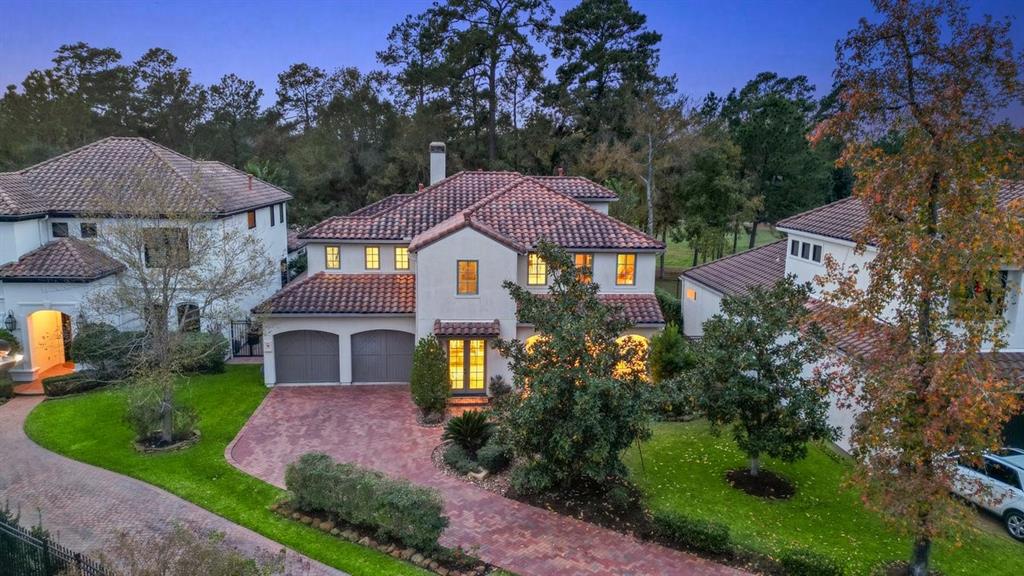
[375,426]
[85,506]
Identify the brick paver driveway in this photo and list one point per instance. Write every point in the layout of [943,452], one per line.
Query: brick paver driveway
[375,426]
[85,506]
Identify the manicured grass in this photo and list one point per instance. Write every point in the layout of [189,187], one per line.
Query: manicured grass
[679,255]
[684,469]
[90,428]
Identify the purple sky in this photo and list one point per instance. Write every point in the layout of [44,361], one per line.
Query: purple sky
[709,45]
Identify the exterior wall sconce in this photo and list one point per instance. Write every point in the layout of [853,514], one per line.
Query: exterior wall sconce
[10,322]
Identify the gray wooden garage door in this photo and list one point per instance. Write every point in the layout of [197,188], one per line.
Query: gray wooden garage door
[306,356]
[381,356]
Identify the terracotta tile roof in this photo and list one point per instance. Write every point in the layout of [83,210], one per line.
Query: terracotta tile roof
[85,179]
[578,187]
[526,212]
[324,293]
[485,328]
[294,242]
[1009,365]
[382,205]
[63,259]
[762,266]
[639,309]
[844,218]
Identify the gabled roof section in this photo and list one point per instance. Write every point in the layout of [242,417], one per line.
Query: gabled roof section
[324,293]
[61,260]
[90,178]
[527,211]
[578,187]
[736,274]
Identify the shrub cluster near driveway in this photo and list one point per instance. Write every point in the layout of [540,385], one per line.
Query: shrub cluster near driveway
[683,472]
[91,428]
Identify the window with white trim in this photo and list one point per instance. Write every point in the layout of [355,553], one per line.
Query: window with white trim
[806,250]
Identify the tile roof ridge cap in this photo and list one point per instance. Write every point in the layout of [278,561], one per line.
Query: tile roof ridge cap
[730,256]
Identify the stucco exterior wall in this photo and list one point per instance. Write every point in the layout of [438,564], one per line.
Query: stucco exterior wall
[697,310]
[17,238]
[353,258]
[343,327]
[604,273]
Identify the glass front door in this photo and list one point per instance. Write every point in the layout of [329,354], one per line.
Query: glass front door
[467,365]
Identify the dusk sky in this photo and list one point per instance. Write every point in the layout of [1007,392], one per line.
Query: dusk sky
[709,45]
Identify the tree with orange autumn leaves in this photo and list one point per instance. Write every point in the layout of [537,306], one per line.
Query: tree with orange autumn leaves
[921,88]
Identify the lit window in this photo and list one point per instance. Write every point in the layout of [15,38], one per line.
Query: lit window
[585,267]
[691,294]
[87,229]
[59,229]
[251,217]
[456,364]
[536,270]
[468,278]
[401,258]
[625,269]
[372,258]
[333,257]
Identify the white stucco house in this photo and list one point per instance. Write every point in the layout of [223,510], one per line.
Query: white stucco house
[829,230]
[52,213]
[433,262]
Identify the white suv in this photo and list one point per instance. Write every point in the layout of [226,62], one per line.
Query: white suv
[1001,480]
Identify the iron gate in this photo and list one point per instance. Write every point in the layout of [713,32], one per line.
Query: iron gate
[246,339]
[22,554]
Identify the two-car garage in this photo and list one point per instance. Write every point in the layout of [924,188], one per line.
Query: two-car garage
[313,357]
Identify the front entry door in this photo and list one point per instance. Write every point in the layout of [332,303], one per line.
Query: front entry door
[466,365]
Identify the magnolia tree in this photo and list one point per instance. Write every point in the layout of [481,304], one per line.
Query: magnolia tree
[921,86]
[586,394]
[182,266]
[750,373]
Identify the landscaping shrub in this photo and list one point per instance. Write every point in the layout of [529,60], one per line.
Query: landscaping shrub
[10,339]
[671,306]
[394,509]
[493,456]
[184,551]
[693,533]
[429,380]
[471,430]
[6,387]
[670,355]
[456,457]
[145,415]
[107,350]
[201,353]
[73,383]
[806,563]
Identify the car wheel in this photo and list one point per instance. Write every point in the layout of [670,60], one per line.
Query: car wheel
[1015,524]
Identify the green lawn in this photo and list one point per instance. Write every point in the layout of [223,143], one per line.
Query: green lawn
[684,468]
[90,428]
[679,255]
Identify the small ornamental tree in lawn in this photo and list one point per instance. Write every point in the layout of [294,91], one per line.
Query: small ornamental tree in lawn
[749,373]
[922,91]
[429,380]
[670,355]
[573,412]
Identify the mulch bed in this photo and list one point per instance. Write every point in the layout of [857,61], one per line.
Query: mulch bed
[155,446]
[766,484]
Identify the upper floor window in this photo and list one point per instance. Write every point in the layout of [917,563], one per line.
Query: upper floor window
[372,257]
[271,210]
[468,282]
[166,247]
[332,256]
[59,229]
[691,294]
[251,218]
[585,267]
[401,258]
[625,269]
[536,270]
[280,212]
[805,250]
[87,229]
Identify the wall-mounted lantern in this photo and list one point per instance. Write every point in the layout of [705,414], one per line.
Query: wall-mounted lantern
[10,322]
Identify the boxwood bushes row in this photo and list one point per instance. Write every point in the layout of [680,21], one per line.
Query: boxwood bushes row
[392,509]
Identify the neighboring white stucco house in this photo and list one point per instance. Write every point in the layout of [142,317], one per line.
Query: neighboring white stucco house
[51,214]
[829,230]
[433,262]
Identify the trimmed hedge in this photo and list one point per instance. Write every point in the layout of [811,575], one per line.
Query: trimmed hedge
[693,533]
[74,383]
[457,457]
[807,563]
[394,509]
[493,456]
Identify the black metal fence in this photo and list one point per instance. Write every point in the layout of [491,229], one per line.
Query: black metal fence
[22,554]
[246,339]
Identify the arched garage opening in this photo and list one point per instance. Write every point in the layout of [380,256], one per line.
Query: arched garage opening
[382,356]
[306,357]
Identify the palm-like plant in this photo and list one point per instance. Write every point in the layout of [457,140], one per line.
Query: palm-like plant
[470,430]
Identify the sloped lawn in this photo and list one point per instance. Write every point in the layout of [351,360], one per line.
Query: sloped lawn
[90,428]
[684,470]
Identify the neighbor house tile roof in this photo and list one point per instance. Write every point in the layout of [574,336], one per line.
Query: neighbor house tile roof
[469,328]
[762,266]
[324,293]
[105,176]
[294,242]
[844,218]
[527,211]
[578,187]
[63,259]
